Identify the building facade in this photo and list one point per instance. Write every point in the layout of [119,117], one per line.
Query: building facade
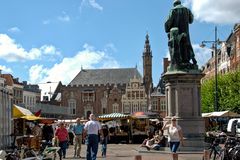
[228,56]
[5,114]
[135,97]
[124,90]
[15,88]
[31,95]
[97,91]
[235,49]
[158,101]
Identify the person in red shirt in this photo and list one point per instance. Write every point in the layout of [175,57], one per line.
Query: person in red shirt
[62,135]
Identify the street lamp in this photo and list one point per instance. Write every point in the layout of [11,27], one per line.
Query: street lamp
[215,43]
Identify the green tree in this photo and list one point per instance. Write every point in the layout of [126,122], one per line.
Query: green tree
[228,93]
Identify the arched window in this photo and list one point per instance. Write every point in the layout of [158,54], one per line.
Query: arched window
[115,108]
[126,108]
[72,106]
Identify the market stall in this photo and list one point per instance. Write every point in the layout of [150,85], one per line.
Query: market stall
[218,120]
[143,125]
[216,124]
[119,127]
[20,115]
[21,127]
[23,121]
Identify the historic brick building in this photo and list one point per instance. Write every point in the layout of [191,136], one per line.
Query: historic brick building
[102,91]
[235,45]
[97,91]
[228,56]
[15,88]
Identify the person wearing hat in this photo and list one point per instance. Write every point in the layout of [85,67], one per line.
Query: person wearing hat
[77,132]
[175,135]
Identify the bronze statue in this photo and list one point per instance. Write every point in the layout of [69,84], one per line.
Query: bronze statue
[177,27]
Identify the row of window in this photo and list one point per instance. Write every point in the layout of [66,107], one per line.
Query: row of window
[27,100]
[127,108]
[17,93]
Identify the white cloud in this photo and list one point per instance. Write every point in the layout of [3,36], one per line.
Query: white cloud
[37,73]
[110,63]
[187,3]
[202,55]
[220,11]
[64,17]
[91,3]
[110,47]
[69,67]
[6,69]
[10,51]
[49,50]
[14,29]
[95,5]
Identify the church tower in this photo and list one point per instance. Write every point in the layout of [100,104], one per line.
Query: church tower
[147,67]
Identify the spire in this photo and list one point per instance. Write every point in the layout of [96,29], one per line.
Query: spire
[147,66]
[147,46]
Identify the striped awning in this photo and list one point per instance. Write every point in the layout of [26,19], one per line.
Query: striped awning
[113,116]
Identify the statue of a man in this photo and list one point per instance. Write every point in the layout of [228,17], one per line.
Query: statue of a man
[180,17]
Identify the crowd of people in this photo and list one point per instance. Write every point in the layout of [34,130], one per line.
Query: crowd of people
[92,132]
[63,135]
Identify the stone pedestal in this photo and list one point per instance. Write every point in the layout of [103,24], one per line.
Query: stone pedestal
[183,101]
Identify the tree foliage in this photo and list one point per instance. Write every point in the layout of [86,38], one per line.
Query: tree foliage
[228,93]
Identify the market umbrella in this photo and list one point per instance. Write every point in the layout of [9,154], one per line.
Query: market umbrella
[145,115]
[44,120]
[20,112]
[31,117]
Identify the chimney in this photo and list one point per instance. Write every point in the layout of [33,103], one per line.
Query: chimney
[166,63]
[24,83]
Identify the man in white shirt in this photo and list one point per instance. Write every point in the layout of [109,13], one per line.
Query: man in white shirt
[91,129]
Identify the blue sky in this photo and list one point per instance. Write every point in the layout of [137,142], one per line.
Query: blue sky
[50,40]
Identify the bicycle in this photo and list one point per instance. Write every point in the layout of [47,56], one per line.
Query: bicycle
[49,153]
[216,151]
[236,151]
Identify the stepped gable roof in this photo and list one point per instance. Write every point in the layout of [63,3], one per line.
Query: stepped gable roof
[105,76]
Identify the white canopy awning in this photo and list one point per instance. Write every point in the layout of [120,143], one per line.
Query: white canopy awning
[113,116]
[220,114]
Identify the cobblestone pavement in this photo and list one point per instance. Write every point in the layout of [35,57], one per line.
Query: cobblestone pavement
[129,151]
